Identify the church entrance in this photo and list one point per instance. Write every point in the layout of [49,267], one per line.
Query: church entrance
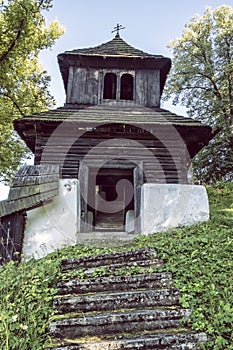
[114,197]
[110,198]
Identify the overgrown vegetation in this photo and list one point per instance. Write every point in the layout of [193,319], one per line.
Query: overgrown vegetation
[200,258]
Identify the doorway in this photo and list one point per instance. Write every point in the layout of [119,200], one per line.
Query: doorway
[111,197]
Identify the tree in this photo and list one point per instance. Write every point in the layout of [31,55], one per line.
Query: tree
[23,81]
[202,80]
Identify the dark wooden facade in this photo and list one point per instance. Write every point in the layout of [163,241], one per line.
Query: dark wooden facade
[11,236]
[162,163]
[86,86]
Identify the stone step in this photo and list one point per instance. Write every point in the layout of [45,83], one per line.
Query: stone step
[116,283]
[108,259]
[118,322]
[116,301]
[166,341]
[116,269]
[102,227]
[105,238]
[109,220]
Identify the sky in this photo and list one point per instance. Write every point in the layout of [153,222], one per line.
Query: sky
[149,26]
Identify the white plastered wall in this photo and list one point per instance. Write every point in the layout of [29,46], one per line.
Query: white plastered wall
[165,206]
[54,225]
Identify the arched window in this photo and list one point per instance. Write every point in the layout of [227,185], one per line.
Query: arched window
[110,82]
[126,87]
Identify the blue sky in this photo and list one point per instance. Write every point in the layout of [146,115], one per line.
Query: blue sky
[150,25]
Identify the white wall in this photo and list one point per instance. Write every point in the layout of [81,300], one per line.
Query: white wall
[167,206]
[54,225]
[4,190]
[163,206]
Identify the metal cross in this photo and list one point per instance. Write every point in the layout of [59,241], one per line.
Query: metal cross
[118,28]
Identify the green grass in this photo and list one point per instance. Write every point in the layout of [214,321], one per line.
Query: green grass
[200,258]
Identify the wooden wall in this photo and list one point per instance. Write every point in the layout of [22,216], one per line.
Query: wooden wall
[85,85]
[147,88]
[162,163]
[11,236]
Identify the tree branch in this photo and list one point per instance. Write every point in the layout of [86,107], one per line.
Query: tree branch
[14,103]
[13,42]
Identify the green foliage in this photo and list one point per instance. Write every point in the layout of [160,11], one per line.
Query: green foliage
[202,80]
[214,162]
[23,81]
[200,258]
[26,293]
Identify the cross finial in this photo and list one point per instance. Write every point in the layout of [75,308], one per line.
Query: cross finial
[117,29]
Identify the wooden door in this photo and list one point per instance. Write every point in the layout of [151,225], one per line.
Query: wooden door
[83,181]
[138,177]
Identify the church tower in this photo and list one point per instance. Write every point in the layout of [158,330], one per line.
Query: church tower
[110,163]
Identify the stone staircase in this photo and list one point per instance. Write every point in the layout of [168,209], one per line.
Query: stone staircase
[119,310]
[110,221]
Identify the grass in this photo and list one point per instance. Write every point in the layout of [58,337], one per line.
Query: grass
[200,258]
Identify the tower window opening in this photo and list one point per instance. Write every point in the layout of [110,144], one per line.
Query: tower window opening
[110,83]
[126,87]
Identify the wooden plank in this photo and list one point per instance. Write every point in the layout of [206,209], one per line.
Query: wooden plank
[38,150]
[76,152]
[83,180]
[108,131]
[70,83]
[3,208]
[26,203]
[35,180]
[153,88]
[138,176]
[26,191]
[11,237]
[36,170]
[64,141]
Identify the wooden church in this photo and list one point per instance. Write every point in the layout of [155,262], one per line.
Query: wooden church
[110,163]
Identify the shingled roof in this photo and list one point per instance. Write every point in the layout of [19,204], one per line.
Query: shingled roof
[32,186]
[116,47]
[109,114]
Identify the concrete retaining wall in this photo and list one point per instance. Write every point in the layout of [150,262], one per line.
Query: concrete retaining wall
[54,225]
[167,206]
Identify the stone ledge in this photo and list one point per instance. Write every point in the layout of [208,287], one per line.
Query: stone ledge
[166,341]
[101,284]
[120,300]
[118,322]
[108,259]
[113,269]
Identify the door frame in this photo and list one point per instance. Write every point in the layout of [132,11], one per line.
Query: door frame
[138,181]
